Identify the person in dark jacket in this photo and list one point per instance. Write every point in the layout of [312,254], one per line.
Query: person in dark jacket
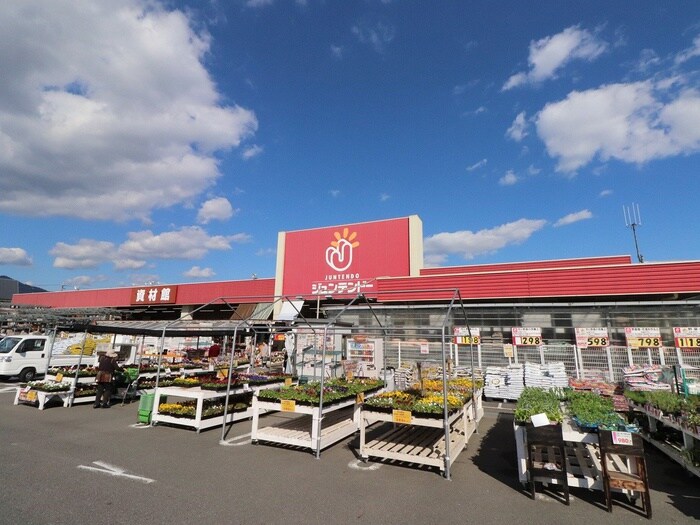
[106,366]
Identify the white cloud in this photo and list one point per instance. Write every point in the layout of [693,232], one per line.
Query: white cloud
[689,53]
[334,193]
[197,272]
[384,197]
[110,119]
[219,209]
[82,281]
[15,257]
[574,217]
[605,193]
[186,243]
[337,51]
[472,244]
[477,165]
[518,129]
[621,121]
[532,170]
[251,151]
[377,35]
[551,53]
[88,253]
[259,3]
[508,179]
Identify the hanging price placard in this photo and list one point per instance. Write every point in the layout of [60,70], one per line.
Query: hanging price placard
[592,337]
[288,405]
[643,337]
[465,336]
[401,416]
[527,336]
[287,381]
[59,377]
[686,337]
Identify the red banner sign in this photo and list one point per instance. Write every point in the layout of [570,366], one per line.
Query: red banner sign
[154,295]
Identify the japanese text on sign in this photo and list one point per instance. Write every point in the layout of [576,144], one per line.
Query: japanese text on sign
[686,337]
[643,337]
[592,337]
[527,336]
[466,336]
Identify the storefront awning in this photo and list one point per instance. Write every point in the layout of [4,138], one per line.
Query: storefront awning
[178,328]
[289,310]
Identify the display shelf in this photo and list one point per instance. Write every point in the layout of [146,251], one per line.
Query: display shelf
[422,441]
[41,397]
[198,422]
[340,420]
[690,438]
[70,378]
[583,463]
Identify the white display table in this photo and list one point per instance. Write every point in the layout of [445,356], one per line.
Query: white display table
[315,429]
[32,396]
[421,440]
[196,393]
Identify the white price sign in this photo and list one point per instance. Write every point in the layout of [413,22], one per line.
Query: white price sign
[643,337]
[466,336]
[593,337]
[686,336]
[527,336]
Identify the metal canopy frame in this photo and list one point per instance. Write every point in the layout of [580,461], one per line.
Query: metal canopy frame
[455,303]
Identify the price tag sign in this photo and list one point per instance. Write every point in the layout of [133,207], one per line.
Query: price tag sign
[222,373]
[508,350]
[287,381]
[425,348]
[622,438]
[27,395]
[349,375]
[643,337]
[592,337]
[59,377]
[686,337]
[288,405]
[360,398]
[464,336]
[527,336]
[401,416]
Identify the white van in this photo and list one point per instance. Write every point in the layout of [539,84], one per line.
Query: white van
[27,356]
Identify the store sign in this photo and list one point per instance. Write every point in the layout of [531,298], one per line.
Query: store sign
[462,335]
[643,337]
[153,295]
[401,416]
[425,348]
[592,337]
[345,260]
[686,337]
[527,336]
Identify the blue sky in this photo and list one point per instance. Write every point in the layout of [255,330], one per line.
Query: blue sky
[169,142]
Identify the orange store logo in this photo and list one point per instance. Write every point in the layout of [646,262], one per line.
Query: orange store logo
[339,253]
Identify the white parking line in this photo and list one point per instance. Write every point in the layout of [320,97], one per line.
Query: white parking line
[106,468]
[7,389]
[358,464]
[232,442]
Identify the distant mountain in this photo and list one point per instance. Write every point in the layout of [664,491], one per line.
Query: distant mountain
[10,286]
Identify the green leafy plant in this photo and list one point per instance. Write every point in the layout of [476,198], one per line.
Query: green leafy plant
[537,401]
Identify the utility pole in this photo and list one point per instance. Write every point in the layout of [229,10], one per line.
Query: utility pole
[633,219]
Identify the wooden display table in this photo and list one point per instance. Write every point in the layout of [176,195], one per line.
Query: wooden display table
[25,395]
[316,429]
[419,440]
[584,468]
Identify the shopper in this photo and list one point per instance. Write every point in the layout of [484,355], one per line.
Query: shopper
[106,366]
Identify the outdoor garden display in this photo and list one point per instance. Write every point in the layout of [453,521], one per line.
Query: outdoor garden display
[412,425]
[671,422]
[198,402]
[39,392]
[323,421]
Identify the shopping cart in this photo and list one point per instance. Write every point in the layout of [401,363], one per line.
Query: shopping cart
[131,377]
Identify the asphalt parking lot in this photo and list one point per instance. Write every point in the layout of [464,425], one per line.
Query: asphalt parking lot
[80,465]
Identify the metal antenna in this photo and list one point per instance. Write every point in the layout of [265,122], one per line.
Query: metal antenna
[633,219]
